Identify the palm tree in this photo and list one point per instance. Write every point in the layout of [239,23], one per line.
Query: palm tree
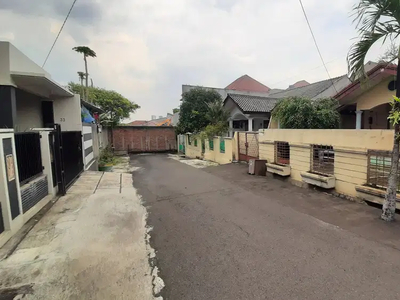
[379,20]
[216,113]
[81,78]
[87,52]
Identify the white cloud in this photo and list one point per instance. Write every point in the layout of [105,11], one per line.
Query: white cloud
[147,49]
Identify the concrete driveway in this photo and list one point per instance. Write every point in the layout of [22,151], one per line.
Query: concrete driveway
[92,244]
[222,234]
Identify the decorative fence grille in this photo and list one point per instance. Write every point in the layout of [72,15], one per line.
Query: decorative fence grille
[322,159]
[379,163]
[29,157]
[282,153]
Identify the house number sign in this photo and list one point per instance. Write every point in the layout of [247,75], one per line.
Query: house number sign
[10,167]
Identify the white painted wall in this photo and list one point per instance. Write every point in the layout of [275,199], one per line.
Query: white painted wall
[5,78]
[11,226]
[20,63]
[46,160]
[67,113]
[29,111]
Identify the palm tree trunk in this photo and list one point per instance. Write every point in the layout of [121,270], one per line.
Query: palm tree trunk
[389,205]
[87,78]
[82,90]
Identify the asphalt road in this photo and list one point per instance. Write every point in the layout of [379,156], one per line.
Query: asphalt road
[216,239]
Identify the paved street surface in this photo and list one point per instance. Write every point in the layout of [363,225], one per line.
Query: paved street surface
[90,245]
[222,234]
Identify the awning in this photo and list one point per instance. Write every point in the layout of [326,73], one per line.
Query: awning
[40,85]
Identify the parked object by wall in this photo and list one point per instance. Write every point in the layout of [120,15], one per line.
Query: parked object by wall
[127,139]
[337,159]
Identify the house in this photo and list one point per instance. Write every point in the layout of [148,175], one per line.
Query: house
[40,139]
[366,105]
[244,98]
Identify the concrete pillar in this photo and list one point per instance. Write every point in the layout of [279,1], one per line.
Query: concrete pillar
[250,122]
[230,128]
[8,104]
[358,119]
[10,193]
[46,160]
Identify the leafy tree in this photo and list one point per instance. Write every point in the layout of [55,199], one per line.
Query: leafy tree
[116,106]
[379,20]
[87,52]
[303,113]
[175,110]
[194,109]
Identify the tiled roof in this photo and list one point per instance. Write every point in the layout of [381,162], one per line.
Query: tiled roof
[309,91]
[246,83]
[250,103]
[138,123]
[298,84]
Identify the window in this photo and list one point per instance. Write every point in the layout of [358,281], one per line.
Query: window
[282,153]
[211,144]
[195,142]
[379,163]
[392,85]
[322,160]
[189,140]
[222,146]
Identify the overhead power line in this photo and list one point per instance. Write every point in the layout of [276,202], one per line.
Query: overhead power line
[316,44]
[55,41]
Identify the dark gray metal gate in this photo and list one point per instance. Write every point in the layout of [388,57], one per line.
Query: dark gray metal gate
[68,157]
[72,155]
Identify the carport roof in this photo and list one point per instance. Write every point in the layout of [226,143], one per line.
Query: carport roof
[254,104]
[40,85]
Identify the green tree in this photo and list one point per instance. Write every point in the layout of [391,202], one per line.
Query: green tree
[379,20]
[194,108]
[175,110]
[115,106]
[303,113]
[87,52]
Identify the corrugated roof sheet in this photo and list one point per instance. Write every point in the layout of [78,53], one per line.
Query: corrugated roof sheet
[249,103]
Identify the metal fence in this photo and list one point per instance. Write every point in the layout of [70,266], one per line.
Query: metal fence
[379,163]
[322,159]
[29,157]
[282,153]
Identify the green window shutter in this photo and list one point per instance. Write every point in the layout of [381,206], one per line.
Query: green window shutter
[211,144]
[195,142]
[222,146]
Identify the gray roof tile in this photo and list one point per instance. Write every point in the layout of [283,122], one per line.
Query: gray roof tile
[250,103]
[309,91]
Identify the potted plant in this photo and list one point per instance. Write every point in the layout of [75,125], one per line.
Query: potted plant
[106,160]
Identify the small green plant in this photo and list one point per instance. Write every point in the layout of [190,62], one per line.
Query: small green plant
[107,157]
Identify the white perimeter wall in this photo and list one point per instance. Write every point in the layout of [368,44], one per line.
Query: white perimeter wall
[67,113]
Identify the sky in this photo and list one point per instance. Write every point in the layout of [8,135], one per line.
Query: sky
[146,49]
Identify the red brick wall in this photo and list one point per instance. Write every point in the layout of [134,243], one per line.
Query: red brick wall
[144,139]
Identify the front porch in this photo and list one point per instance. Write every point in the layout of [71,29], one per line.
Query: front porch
[373,118]
[247,122]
